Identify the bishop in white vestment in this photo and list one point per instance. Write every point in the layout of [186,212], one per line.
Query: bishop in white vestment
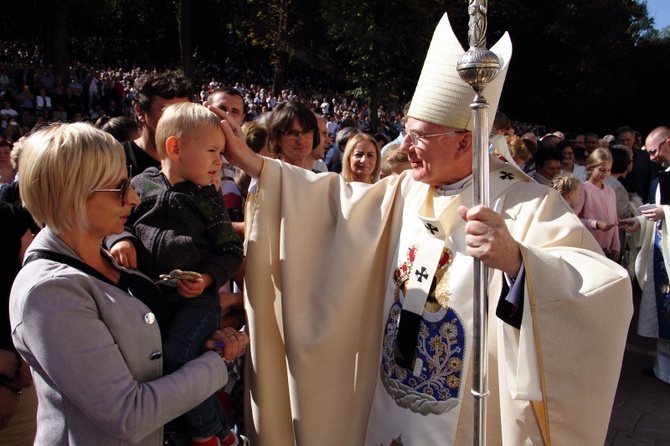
[359,297]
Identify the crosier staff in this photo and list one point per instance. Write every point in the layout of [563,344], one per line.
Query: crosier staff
[479,66]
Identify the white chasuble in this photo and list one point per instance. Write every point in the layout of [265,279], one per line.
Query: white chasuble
[329,268]
[408,400]
[422,403]
[648,319]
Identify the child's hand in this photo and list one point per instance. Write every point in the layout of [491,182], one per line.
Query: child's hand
[124,252]
[190,289]
[604,226]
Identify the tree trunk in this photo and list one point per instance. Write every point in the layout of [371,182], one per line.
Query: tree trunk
[185,37]
[373,106]
[60,42]
[279,79]
[279,56]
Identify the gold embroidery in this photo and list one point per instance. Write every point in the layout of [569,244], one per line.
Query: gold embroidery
[440,295]
[442,276]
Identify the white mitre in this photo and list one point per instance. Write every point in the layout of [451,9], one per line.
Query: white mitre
[441,96]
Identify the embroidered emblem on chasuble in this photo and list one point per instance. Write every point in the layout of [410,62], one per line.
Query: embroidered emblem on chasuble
[433,385]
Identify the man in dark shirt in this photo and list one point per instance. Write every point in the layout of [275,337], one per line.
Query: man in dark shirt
[152,93]
[639,179]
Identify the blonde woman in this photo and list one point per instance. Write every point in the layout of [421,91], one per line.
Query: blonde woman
[80,319]
[362,161]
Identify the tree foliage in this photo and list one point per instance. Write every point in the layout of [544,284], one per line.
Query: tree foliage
[378,45]
[587,65]
[273,26]
[570,58]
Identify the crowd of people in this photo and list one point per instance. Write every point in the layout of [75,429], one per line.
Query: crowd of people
[35,95]
[352,292]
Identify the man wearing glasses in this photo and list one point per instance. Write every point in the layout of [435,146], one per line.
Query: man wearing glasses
[365,335]
[653,260]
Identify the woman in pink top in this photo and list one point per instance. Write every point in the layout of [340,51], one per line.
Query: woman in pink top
[597,204]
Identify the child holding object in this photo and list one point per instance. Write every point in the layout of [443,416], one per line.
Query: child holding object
[597,204]
[180,235]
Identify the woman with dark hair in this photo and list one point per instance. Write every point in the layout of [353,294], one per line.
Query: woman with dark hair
[292,133]
[567,149]
[122,128]
[626,203]
[622,164]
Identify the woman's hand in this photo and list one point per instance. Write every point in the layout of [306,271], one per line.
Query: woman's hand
[229,343]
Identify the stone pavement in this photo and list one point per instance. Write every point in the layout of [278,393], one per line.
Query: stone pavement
[641,412]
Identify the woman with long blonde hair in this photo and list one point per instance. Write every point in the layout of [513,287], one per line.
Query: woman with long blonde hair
[361,161]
